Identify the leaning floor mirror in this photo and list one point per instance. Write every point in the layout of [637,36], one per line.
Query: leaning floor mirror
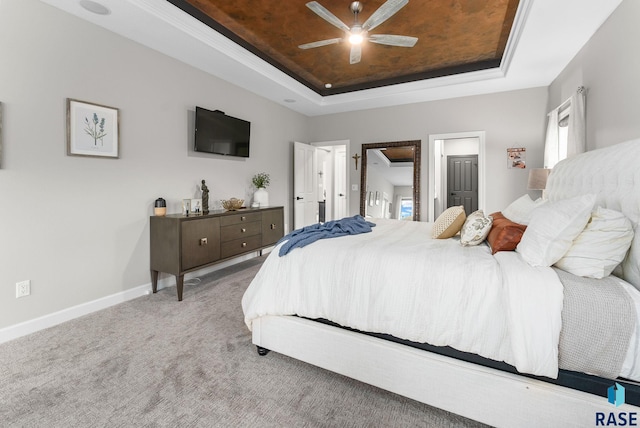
[390,180]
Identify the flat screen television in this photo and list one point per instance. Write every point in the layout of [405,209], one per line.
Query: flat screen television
[221,134]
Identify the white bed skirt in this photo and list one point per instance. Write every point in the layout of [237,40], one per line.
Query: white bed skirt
[487,395]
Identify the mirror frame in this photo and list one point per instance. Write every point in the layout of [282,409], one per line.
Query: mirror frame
[417,156]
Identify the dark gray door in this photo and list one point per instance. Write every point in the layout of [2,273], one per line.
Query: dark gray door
[462,182]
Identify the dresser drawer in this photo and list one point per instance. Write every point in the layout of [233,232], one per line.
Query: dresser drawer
[239,246]
[240,231]
[200,242]
[228,220]
[272,226]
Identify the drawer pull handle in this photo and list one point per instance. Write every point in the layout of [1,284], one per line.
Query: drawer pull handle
[243,230]
[203,241]
[243,218]
[244,244]
[273,226]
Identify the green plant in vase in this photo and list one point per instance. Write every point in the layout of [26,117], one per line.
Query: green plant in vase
[260,196]
[261,180]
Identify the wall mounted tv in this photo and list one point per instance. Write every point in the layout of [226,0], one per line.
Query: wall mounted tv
[221,134]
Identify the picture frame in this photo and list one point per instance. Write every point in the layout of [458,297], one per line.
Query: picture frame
[186,206]
[196,207]
[516,157]
[92,130]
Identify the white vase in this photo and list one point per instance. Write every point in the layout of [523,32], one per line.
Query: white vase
[261,196]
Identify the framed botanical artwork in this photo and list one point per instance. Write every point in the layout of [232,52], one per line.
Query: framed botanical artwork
[92,130]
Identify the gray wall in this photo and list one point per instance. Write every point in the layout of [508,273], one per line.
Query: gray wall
[78,227]
[510,119]
[609,67]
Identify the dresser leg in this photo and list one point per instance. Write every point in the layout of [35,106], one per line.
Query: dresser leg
[179,286]
[154,281]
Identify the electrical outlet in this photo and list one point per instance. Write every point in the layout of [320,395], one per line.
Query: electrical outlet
[23,288]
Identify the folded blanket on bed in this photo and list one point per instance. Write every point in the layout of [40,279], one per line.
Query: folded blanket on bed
[331,229]
[598,319]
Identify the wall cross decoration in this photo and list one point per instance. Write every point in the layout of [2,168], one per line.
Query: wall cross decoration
[355,158]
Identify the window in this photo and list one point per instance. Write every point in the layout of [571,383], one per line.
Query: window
[566,130]
[406,208]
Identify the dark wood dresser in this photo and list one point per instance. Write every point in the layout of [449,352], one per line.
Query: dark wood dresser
[181,244]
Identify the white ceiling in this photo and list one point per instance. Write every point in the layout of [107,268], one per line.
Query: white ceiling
[546,36]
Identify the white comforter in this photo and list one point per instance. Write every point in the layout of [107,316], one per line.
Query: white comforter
[397,280]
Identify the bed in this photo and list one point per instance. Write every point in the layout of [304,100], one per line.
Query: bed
[503,345]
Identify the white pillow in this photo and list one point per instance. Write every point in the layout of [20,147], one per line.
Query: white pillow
[475,229]
[552,229]
[600,247]
[520,210]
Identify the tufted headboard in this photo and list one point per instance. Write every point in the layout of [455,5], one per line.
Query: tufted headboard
[613,174]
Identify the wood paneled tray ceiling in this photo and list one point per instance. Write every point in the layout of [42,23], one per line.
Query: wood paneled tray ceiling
[454,36]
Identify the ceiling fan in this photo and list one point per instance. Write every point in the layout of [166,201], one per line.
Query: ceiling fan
[358,33]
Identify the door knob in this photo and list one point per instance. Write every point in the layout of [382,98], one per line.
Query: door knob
[298,198]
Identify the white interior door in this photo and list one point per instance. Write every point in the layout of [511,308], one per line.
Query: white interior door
[305,185]
[340,194]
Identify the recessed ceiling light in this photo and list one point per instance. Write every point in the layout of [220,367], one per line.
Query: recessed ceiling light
[95,7]
[328,85]
[289,100]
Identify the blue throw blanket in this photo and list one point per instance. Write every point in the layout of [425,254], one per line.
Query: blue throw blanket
[331,229]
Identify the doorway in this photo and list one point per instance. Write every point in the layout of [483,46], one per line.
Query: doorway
[465,179]
[462,182]
[320,182]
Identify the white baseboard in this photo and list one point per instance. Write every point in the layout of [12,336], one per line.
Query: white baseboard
[24,328]
[50,320]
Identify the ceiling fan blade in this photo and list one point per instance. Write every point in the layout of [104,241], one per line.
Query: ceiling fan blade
[384,12]
[323,13]
[393,40]
[356,54]
[319,43]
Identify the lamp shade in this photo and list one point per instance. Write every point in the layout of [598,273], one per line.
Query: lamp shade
[538,178]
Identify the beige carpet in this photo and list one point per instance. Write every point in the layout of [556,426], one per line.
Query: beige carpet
[157,362]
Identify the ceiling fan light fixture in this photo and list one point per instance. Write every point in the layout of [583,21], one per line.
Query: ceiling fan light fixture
[358,33]
[355,38]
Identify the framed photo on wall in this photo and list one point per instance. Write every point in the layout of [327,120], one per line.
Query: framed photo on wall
[92,129]
[516,157]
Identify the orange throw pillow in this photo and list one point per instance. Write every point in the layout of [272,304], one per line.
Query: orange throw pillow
[505,234]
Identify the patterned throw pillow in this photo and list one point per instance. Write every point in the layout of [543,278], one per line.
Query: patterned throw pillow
[448,223]
[475,229]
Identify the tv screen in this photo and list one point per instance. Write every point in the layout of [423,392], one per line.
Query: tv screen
[221,134]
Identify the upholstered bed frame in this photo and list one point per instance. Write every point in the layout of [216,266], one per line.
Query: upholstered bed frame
[485,394]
